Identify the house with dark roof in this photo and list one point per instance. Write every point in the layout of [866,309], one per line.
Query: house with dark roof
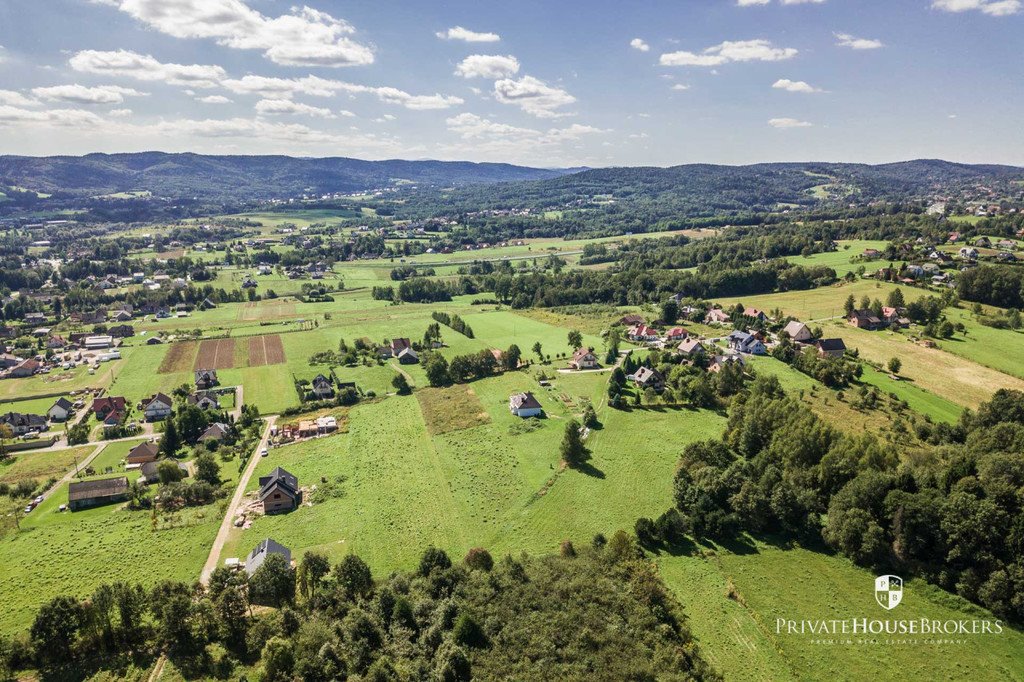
[323,388]
[60,410]
[158,406]
[206,378]
[85,494]
[20,423]
[258,555]
[831,348]
[204,400]
[279,491]
[525,405]
[645,377]
[745,342]
[408,356]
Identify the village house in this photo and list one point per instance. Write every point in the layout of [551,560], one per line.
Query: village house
[249,282]
[279,491]
[525,405]
[745,342]
[720,361]
[157,407]
[102,407]
[142,453]
[645,377]
[215,432]
[323,388]
[584,358]
[206,378]
[716,316]
[968,253]
[7,361]
[893,317]
[642,332]
[983,243]
[864,319]
[204,400]
[631,320]
[798,331]
[676,334]
[408,356]
[258,555]
[85,494]
[690,348]
[20,423]
[755,314]
[60,410]
[150,472]
[25,368]
[831,348]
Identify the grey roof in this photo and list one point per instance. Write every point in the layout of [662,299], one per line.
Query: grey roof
[279,478]
[258,555]
[62,403]
[524,401]
[831,345]
[104,487]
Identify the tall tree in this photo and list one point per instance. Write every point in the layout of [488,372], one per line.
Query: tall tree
[573,451]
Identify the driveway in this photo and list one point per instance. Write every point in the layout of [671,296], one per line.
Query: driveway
[229,516]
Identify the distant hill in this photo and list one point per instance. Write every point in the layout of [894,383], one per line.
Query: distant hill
[242,177]
[706,189]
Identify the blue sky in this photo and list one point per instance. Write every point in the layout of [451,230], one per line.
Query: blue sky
[540,83]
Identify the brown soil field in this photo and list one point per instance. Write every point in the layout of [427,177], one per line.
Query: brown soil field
[216,354]
[178,358]
[266,350]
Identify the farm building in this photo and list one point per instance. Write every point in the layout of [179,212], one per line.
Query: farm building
[258,555]
[85,494]
[525,405]
[98,342]
[408,357]
[279,491]
[831,348]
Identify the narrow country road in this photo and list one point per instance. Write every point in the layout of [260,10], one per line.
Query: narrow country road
[71,472]
[236,500]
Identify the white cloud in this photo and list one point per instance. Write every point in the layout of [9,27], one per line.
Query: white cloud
[58,117]
[283,88]
[794,86]
[346,113]
[995,8]
[729,51]
[532,95]
[464,34]
[788,123]
[847,40]
[802,2]
[305,37]
[287,106]
[16,99]
[214,99]
[80,94]
[146,68]
[679,87]
[121,113]
[483,137]
[493,66]
[639,44]
[751,3]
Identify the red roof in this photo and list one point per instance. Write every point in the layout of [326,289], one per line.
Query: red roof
[677,331]
[117,403]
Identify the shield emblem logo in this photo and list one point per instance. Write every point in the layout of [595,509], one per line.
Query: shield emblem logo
[888,591]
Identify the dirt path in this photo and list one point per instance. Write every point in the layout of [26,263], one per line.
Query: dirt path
[236,499]
[71,472]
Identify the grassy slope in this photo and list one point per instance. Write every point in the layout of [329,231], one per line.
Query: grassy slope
[740,636]
[840,260]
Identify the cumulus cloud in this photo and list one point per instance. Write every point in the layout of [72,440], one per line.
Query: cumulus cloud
[120,113]
[464,34]
[995,8]
[284,88]
[639,44]
[788,123]
[729,51]
[80,94]
[493,66]
[144,67]
[57,117]
[679,87]
[794,86]
[532,95]
[847,40]
[15,98]
[485,137]
[214,99]
[305,37]
[287,106]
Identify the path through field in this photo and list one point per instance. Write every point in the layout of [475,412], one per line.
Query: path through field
[236,499]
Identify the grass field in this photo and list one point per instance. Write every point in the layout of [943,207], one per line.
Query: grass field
[496,485]
[824,302]
[41,465]
[739,635]
[840,260]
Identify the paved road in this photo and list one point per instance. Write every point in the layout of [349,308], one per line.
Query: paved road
[229,516]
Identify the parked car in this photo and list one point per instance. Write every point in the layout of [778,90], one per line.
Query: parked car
[264,452]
